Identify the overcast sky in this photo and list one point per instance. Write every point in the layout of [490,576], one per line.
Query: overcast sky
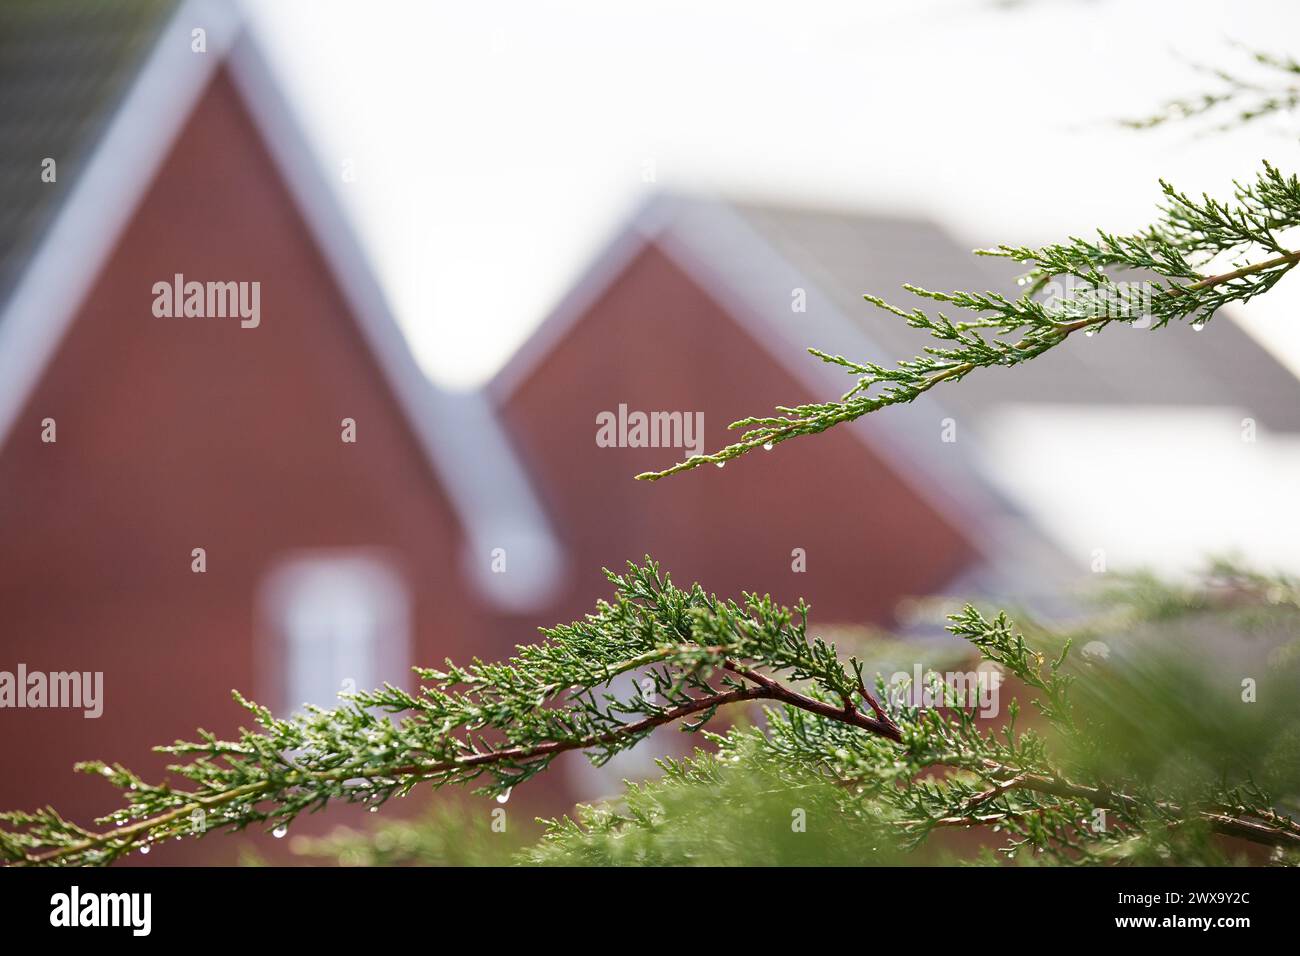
[496,146]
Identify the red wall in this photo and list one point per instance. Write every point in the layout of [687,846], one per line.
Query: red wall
[656,341]
[182,433]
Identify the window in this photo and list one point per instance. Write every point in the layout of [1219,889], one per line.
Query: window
[338,621]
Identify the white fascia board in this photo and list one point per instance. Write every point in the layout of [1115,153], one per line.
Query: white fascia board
[463,441]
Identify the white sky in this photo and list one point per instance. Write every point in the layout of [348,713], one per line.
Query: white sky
[497,145]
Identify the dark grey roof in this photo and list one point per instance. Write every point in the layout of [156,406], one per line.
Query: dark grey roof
[847,254]
[64,65]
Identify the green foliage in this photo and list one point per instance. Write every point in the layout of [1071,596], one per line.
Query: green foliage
[1164,752]
[745,805]
[495,724]
[1068,287]
[449,834]
[1237,100]
[739,805]
[1135,757]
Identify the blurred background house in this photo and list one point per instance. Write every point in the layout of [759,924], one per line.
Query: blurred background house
[709,304]
[290,509]
[204,522]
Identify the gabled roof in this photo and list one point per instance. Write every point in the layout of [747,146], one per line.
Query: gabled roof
[64,65]
[459,435]
[711,242]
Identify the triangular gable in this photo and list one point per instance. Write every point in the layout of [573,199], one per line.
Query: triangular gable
[459,435]
[718,251]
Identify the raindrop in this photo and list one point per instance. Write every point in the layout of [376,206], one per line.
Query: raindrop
[144,849]
[1197,326]
[721,464]
[767,446]
[280,831]
[374,809]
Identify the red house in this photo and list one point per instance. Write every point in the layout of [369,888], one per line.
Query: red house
[707,307]
[252,486]
[689,310]
[220,466]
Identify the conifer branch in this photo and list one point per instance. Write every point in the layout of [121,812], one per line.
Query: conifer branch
[502,723]
[1069,287]
[1275,832]
[690,654]
[1238,100]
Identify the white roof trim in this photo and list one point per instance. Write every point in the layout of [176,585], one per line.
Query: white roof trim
[458,434]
